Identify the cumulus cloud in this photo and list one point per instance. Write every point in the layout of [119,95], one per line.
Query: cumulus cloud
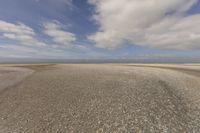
[55,30]
[153,23]
[20,33]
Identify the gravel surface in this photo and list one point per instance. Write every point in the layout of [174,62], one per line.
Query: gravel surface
[100,98]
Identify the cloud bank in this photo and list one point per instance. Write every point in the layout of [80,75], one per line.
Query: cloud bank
[152,23]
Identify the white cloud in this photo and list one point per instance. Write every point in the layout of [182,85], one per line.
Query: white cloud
[153,23]
[25,35]
[20,40]
[58,34]
[20,33]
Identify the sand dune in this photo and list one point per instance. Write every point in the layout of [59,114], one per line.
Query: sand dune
[100,98]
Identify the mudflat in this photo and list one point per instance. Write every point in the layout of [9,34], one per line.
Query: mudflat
[99,98]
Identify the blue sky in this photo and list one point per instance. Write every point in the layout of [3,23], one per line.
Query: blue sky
[92,29]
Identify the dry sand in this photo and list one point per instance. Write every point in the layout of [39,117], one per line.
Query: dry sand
[100,98]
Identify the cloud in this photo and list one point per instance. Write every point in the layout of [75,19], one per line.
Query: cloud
[57,3]
[20,33]
[152,23]
[20,40]
[55,30]
[17,51]
[25,35]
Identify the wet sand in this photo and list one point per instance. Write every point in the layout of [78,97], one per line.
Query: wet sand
[99,98]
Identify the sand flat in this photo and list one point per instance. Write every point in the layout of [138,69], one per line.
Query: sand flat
[102,98]
[10,76]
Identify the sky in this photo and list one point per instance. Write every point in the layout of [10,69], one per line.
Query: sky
[99,29]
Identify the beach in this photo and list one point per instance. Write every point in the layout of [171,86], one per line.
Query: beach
[88,98]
